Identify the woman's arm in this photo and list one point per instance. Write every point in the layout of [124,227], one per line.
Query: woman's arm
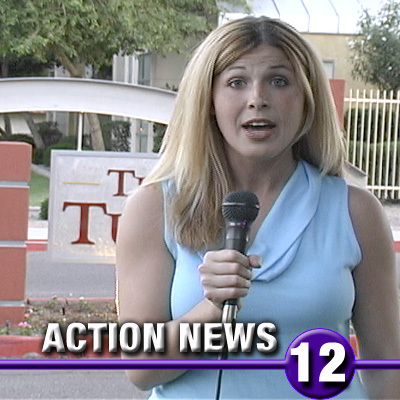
[376,311]
[144,273]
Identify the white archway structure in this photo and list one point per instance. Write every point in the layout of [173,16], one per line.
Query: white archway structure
[86,96]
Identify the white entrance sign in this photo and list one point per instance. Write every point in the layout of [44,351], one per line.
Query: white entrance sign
[88,190]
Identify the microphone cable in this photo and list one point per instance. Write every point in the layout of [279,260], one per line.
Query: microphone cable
[218,385]
[223,355]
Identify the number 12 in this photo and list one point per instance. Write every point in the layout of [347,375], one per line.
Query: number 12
[328,372]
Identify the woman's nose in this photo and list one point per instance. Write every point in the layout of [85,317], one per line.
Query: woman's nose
[257,97]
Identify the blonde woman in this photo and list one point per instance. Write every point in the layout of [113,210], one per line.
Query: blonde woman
[254,112]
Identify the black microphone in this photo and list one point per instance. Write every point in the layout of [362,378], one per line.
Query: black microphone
[239,209]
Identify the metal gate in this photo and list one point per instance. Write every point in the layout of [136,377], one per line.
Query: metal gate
[373,142]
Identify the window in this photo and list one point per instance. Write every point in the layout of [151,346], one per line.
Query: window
[142,136]
[144,76]
[329,66]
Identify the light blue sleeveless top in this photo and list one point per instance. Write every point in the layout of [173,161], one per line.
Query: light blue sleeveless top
[309,250]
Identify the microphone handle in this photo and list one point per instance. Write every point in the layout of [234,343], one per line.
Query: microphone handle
[236,238]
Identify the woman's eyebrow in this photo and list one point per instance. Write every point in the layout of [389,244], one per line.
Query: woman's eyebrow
[278,66]
[282,66]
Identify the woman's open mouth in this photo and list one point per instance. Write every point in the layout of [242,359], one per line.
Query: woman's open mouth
[259,129]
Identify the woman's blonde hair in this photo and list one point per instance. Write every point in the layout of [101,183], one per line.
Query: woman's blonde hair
[192,152]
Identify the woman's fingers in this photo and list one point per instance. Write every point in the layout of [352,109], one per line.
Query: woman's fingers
[226,274]
[225,269]
[255,261]
[224,281]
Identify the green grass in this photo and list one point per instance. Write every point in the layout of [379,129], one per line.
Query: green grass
[39,189]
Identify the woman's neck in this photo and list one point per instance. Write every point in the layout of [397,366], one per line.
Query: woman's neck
[265,179]
[261,177]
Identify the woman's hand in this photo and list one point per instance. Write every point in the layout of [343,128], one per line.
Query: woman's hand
[226,274]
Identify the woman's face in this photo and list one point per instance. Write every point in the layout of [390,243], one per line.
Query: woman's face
[259,105]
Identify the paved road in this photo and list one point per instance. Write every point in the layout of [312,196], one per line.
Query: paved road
[46,279]
[67,385]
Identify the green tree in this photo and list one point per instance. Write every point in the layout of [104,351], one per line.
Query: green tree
[78,33]
[376,51]
[15,63]
[15,66]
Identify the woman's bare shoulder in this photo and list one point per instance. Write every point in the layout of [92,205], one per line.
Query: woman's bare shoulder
[142,217]
[145,197]
[368,215]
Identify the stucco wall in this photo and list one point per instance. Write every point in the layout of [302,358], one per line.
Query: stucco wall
[336,47]
[168,69]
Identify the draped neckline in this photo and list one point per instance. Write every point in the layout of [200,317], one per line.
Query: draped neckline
[279,235]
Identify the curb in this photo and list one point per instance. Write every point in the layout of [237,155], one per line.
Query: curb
[69,299]
[31,347]
[20,346]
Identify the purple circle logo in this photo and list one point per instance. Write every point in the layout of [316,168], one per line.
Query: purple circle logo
[320,363]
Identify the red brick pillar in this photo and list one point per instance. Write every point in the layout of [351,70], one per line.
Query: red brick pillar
[15,162]
[337,87]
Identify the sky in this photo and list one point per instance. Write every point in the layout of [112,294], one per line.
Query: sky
[321,16]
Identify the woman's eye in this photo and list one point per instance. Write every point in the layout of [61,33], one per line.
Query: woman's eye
[278,81]
[237,83]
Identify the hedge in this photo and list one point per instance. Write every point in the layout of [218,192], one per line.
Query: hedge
[67,143]
[385,154]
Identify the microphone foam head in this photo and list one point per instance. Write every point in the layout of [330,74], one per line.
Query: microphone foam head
[240,206]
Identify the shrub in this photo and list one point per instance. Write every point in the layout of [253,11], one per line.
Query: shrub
[19,137]
[38,156]
[372,119]
[388,150]
[116,135]
[67,143]
[159,132]
[49,132]
[44,210]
